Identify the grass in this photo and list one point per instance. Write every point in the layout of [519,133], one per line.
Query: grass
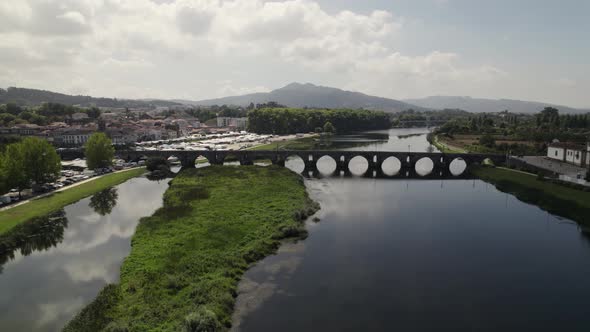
[445,148]
[187,258]
[555,198]
[39,207]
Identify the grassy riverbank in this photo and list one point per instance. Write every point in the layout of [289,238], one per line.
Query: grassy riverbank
[445,148]
[39,207]
[188,257]
[557,199]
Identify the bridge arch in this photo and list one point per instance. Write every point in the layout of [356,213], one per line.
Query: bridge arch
[458,166]
[424,166]
[326,165]
[295,162]
[358,165]
[391,166]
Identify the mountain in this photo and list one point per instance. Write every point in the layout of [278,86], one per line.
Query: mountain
[309,95]
[480,105]
[33,97]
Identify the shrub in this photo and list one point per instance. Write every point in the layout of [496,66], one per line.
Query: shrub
[116,327]
[202,320]
[155,163]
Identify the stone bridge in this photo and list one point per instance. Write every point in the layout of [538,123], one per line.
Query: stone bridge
[441,161]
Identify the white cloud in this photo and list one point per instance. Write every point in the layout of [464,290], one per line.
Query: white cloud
[178,48]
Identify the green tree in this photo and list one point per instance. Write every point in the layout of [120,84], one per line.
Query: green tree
[99,151]
[42,163]
[93,113]
[6,119]
[14,167]
[3,180]
[329,128]
[104,201]
[487,140]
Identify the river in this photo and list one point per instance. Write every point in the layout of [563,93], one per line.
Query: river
[409,255]
[60,271]
[421,255]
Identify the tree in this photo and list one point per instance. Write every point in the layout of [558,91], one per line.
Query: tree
[104,201]
[329,128]
[156,163]
[14,170]
[487,140]
[42,163]
[6,119]
[99,151]
[93,113]
[3,180]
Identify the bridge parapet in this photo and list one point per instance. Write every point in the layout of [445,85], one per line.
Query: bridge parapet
[375,159]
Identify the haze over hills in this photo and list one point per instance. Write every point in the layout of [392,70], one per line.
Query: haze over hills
[480,105]
[33,97]
[295,95]
[309,95]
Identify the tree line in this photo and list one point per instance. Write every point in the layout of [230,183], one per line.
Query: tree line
[12,114]
[33,161]
[25,164]
[283,121]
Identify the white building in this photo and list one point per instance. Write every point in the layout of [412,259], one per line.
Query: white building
[570,153]
[74,137]
[238,123]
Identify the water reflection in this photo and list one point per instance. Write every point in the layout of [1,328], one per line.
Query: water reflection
[41,289]
[423,255]
[104,201]
[35,235]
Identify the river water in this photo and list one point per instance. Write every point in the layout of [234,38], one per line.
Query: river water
[46,282]
[421,255]
[408,255]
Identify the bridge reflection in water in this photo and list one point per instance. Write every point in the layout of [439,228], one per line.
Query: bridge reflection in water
[407,161]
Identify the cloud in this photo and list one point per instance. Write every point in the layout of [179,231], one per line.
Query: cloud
[175,48]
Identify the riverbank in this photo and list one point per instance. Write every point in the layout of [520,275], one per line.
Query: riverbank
[188,257]
[444,147]
[557,199]
[42,206]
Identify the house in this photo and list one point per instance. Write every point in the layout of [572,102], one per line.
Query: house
[122,136]
[571,153]
[238,123]
[73,136]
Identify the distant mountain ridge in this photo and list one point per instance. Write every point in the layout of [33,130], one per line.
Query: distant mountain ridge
[481,105]
[33,97]
[310,95]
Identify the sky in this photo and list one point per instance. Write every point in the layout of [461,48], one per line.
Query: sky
[199,49]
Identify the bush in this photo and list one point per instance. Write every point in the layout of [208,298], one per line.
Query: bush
[155,163]
[116,327]
[202,320]
[487,141]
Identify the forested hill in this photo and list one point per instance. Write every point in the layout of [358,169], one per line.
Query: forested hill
[284,121]
[481,105]
[313,96]
[33,97]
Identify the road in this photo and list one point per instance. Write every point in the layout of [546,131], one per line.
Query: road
[554,165]
[60,189]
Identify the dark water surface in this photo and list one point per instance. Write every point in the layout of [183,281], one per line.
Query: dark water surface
[43,286]
[421,255]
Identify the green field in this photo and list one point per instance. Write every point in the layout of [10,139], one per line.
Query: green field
[188,257]
[558,199]
[442,147]
[54,202]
